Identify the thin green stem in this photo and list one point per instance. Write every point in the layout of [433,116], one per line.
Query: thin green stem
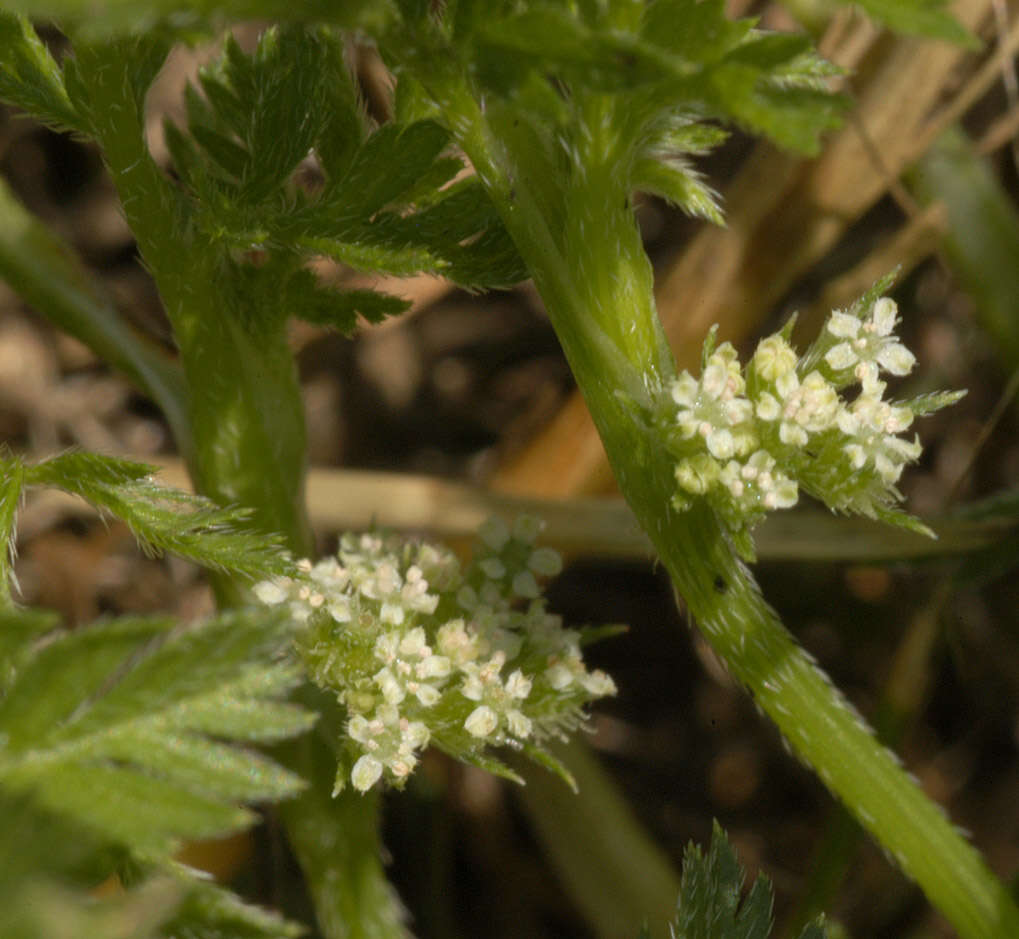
[594,290]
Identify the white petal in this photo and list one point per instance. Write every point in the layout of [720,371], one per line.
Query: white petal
[857,455]
[787,384]
[559,677]
[720,444]
[427,695]
[792,435]
[840,356]
[767,407]
[883,316]
[714,380]
[366,773]
[481,721]
[414,642]
[896,359]
[598,683]
[843,325]
[684,390]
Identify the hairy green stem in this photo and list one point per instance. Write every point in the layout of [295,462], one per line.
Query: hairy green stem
[244,403]
[245,421]
[596,283]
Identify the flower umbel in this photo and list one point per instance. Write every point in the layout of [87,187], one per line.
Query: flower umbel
[749,439]
[421,651]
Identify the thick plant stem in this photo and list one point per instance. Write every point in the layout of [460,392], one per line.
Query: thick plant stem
[246,426]
[597,289]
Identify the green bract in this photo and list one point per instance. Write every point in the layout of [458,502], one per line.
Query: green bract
[748,439]
[419,650]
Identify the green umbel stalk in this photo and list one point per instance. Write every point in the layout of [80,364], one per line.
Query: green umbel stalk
[591,269]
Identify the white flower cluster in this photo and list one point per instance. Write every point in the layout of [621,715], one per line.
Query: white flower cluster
[420,651]
[749,440]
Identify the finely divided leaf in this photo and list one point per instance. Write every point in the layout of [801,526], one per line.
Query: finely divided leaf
[209,911]
[30,78]
[129,727]
[165,519]
[710,906]
[286,167]
[52,866]
[686,55]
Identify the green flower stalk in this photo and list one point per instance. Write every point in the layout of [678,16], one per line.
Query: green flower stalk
[419,650]
[748,440]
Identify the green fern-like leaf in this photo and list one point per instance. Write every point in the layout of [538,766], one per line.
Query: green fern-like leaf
[383,201]
[164,519]
[51,865]
[30,78]
[680,54]
[131,727]
[710,905]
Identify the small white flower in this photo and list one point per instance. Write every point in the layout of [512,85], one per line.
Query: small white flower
[598,683]
[415,642]
[774,357]
[684,390]
[481,721]
[518,685]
